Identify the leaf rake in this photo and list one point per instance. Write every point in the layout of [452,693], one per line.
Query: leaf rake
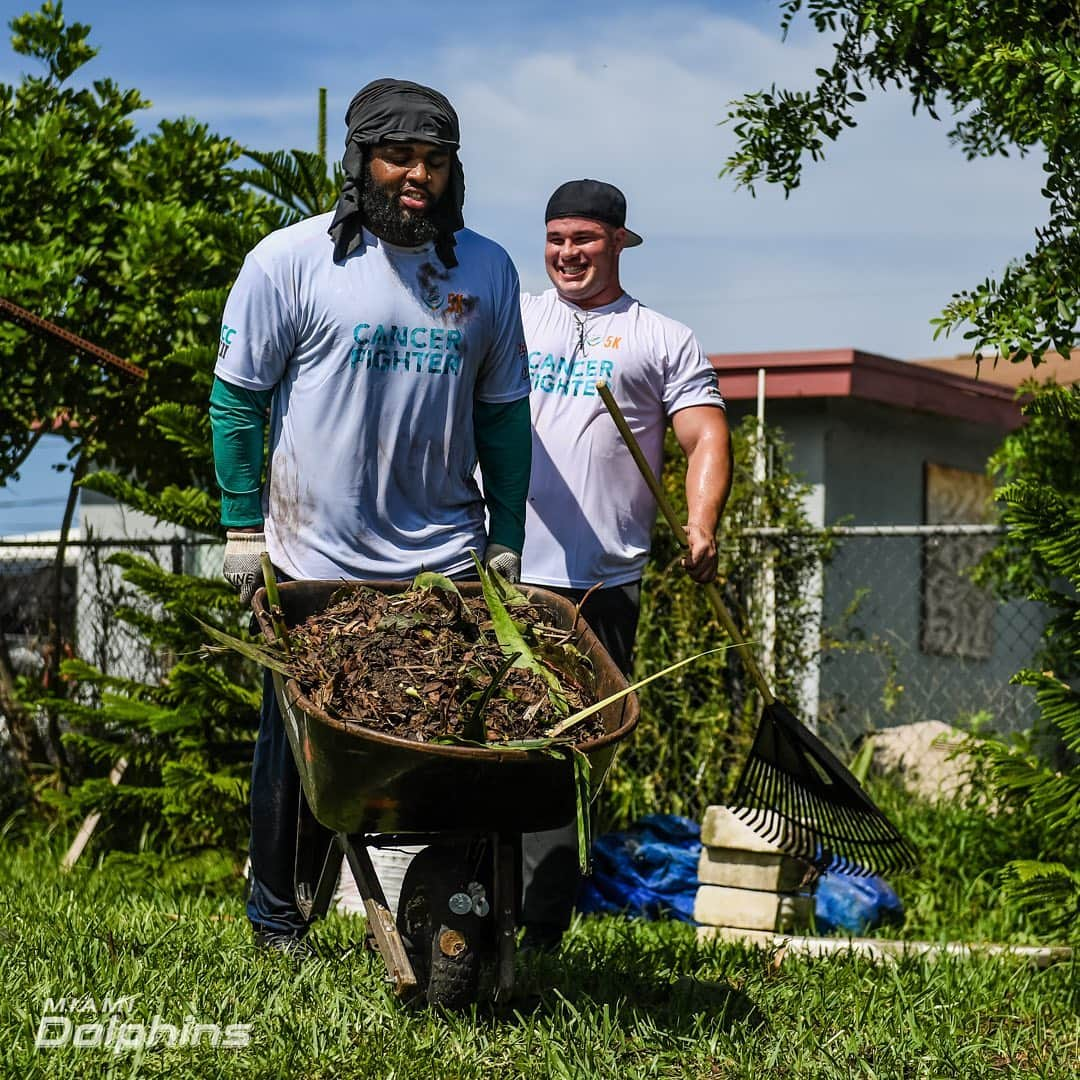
[793,791]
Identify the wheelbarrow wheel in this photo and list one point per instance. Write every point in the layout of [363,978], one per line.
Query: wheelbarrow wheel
[453,981]
[446,947]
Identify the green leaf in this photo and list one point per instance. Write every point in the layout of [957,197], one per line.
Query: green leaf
[513,641]
[429,580]
[582,770]
[473,727]
[566,724]
[261,655]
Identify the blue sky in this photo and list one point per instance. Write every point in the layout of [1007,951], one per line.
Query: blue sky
[864,254]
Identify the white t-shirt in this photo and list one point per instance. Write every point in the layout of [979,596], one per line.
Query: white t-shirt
[376,362]
[590,515]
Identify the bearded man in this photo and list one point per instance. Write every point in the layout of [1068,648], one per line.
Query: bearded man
[385,340]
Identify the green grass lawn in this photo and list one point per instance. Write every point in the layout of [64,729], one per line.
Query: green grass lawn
[623,999]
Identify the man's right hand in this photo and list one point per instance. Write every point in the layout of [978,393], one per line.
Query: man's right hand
[701,558]
[505,560]
[242,567]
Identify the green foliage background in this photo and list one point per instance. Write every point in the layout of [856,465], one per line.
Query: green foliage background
[1039,468]
[132,241]
[119,236]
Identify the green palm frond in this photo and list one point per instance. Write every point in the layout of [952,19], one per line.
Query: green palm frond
[189,508]
[196,357]
[1061,402]
[186,426]
[296,179]
[208,300]
[1058,702]
[1050,888]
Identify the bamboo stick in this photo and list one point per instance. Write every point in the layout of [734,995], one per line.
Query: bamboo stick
[90,823]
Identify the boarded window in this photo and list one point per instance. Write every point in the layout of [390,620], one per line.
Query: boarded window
[957,616]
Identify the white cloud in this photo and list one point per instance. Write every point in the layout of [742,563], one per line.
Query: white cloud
[863,254]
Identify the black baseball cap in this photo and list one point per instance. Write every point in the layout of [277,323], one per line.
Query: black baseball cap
[591,199]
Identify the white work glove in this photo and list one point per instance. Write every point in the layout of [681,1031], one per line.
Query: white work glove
[241,567]
[505,560]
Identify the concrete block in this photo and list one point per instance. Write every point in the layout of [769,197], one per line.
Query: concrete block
[750,870]
[752,909]
[722,829]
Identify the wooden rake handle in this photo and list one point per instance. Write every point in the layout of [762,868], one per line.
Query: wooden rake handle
[711,591]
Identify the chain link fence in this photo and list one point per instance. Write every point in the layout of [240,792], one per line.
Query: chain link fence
[901,632]
[84,596]
[904,634]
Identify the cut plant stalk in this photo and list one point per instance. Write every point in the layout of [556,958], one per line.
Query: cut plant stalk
[793,790]
[563,726]
[511,639]
[272,594]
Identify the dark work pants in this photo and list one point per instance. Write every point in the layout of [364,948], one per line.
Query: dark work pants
[549,860]
[275,800]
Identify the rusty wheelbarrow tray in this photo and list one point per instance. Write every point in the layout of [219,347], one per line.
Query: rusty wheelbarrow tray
[358,782]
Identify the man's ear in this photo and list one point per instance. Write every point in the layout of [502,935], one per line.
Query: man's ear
[620,240]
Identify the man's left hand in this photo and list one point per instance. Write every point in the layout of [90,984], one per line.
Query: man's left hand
[700,561]
[505,560]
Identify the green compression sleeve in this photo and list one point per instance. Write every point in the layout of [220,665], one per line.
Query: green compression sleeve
[504,450]
[238,422]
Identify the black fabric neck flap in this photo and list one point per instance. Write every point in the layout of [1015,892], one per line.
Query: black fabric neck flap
[392,110]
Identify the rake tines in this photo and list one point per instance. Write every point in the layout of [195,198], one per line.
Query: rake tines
[795,793]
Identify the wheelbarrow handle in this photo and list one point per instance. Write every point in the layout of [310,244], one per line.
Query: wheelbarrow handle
[711,591]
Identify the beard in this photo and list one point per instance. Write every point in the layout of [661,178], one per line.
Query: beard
[393,223]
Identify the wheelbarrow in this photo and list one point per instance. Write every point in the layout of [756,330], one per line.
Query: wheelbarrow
[361,788]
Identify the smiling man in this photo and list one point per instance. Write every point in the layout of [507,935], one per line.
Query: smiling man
[385,340]
[590,515]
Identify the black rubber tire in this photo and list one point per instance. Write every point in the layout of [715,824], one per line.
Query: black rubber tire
[451,982]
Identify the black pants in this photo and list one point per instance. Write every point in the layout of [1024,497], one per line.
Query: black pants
[275,801]
[550,872]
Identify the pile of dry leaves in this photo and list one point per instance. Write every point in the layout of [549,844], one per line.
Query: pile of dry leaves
[427,663]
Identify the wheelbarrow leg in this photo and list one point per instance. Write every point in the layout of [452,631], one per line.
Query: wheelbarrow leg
[327,883]
[316,866]
[507,861]
[380,921]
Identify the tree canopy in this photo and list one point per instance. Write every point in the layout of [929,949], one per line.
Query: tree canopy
[1008,73]
[113,235]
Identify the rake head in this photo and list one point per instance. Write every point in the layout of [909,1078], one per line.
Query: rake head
[795,793]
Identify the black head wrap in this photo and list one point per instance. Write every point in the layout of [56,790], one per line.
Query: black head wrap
[390,110]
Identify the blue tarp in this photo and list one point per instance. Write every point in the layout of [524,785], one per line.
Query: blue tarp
[854,904]
[650,872]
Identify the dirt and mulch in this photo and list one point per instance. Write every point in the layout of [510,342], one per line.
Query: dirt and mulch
[421,664]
